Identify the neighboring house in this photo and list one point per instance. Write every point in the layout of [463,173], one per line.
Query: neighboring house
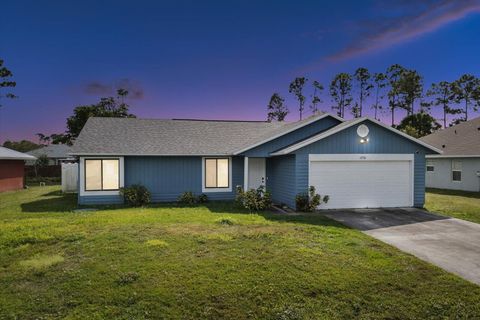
[358,163]
[12,169]
[56,153]
[458,167]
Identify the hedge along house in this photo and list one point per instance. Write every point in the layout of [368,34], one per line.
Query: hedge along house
[359,163]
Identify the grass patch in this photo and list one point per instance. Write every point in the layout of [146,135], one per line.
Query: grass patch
[213,261]
[457,204]
[156,243]
[42,261]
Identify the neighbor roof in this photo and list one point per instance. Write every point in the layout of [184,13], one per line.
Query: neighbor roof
[133,136]
[9,154]
[461,139]
[59,151]
[345,125]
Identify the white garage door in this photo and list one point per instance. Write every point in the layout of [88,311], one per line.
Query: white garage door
[363,181]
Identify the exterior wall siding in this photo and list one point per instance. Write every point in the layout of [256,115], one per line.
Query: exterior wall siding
[281,179]
[11,174]
[441,177]
[264,150]
[381,140]
[168,177]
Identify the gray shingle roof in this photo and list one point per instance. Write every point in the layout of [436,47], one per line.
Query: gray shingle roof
[9,154]
[59,151]
[133,136]
[461,139]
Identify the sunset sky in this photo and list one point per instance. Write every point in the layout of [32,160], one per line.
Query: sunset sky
[215,59]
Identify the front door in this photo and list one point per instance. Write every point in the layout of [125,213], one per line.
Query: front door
[256,173]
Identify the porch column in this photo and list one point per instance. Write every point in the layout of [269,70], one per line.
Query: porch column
[245,174]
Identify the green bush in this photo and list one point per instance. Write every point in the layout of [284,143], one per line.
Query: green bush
[135,195]
[202,198]
[187,198]
[254,200]
[309,201]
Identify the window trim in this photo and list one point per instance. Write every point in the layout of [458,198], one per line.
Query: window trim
[430,164]
[456,170]
[101,174]
[82,180]
[204,178]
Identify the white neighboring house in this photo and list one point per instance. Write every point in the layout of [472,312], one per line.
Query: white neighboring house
[56,154]
[458,168]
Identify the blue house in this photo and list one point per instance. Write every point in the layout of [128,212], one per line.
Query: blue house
[359,163]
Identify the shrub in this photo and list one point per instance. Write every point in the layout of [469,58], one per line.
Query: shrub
[254,200]
[309,201]
[202,198]
[135,195]
[187,198]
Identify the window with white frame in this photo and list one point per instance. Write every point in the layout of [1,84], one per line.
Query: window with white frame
[456,170]
[217,173]
[102,174]
[430,166]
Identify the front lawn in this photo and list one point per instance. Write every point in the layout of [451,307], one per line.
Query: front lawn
[211,262]
[458,204]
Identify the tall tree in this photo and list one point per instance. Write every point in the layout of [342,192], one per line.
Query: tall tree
[113,107]
[296,87]
[410,89]
[380,81]
[394,73]
[276,109]
[6,82]
[341,92]
[43,138]
[442,96]
[362,78]
[419,125]
[467,90]
[317,91]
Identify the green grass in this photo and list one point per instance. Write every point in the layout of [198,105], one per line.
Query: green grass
[207,262]
[458,204]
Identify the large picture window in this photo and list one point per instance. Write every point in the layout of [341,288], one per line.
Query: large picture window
[217,173]
[102,174]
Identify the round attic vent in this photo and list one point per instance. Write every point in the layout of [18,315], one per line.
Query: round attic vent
[362,131]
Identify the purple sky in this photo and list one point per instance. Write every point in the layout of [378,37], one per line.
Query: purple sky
[215,59]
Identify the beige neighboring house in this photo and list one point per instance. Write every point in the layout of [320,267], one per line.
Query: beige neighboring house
[56,154]
[458,167]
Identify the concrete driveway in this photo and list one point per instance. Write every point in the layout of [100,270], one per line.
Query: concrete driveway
[449,243]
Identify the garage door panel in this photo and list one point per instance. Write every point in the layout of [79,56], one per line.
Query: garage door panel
[363,184]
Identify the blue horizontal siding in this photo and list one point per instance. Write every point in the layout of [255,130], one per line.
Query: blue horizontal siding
[381,140]
[168,177]
[318,126]
[93,200]
[281,179]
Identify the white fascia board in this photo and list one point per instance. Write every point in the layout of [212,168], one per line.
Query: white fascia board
[346,126]
[362,157]
[440,156]
[288,131]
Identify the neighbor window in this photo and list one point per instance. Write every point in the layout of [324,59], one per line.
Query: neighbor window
[217,172]
[430,166]
[456,170]
[102,174]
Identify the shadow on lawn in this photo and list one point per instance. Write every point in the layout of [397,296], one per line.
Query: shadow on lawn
[57,202]
[305,218]
[466,194]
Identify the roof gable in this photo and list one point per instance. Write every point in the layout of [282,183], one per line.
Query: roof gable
[461,139]
[345,125]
